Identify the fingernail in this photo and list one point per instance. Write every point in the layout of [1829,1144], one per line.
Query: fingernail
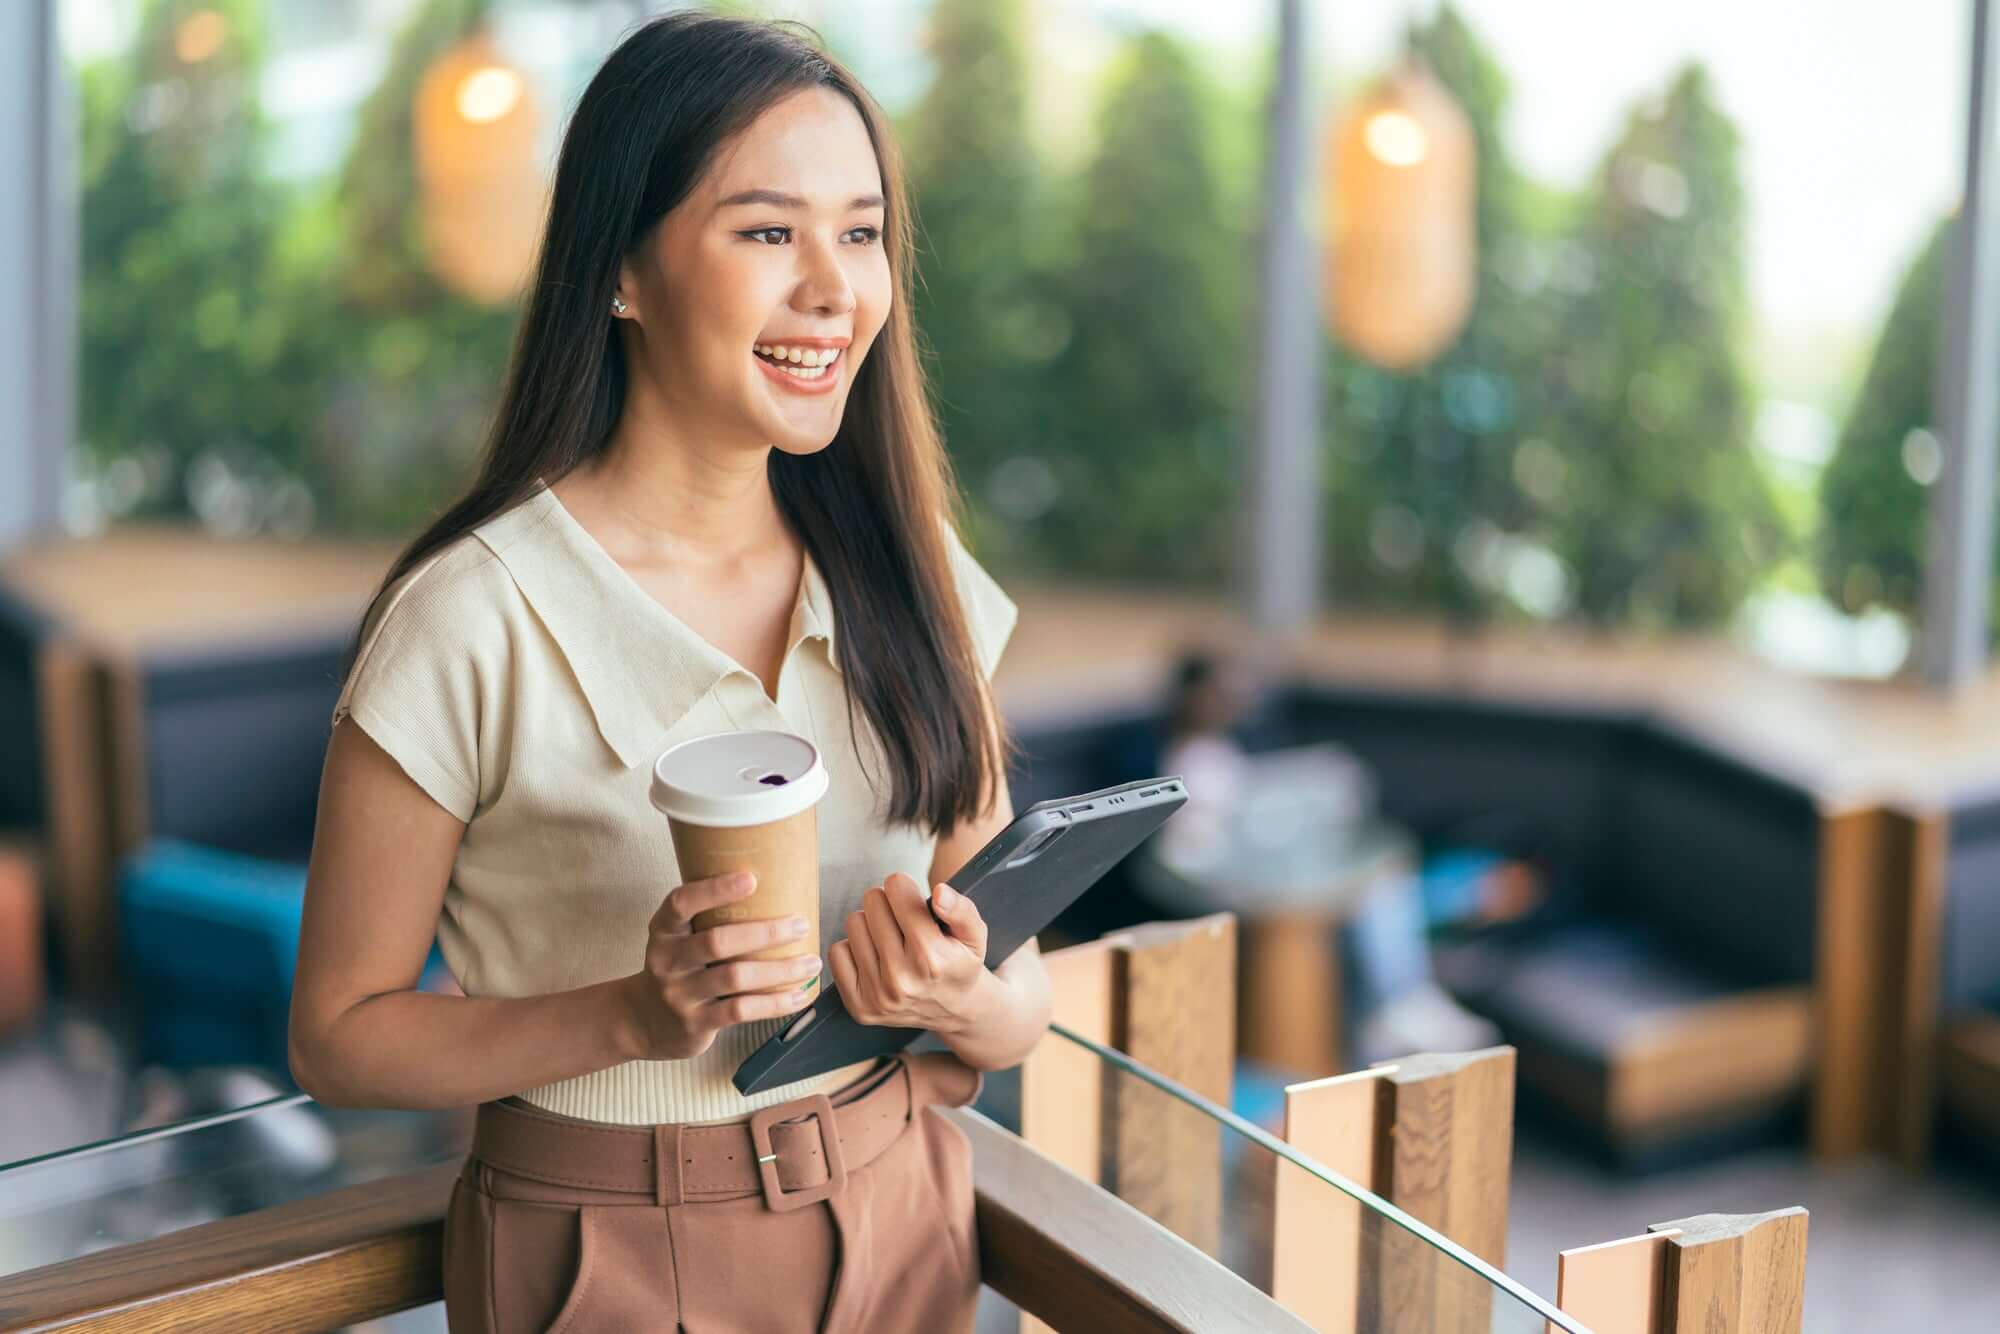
[945,896]
[744,880]
[808,964]
[795,926]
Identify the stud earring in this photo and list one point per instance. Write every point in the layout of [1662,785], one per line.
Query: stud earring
[618,306]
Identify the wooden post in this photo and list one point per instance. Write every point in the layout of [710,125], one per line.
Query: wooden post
[1434,1136]
[1164,994]
[76,804]
[1711,1274]
[1881,886]
[1176,1016]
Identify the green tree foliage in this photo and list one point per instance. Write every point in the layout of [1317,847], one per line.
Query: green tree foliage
[412,366]
[1152,379]
[1666,517]
[1422,465]
[980,307]
[188,347]
[1871,545]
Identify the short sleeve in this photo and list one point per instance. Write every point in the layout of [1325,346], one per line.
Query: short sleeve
[990,614]
[415,684]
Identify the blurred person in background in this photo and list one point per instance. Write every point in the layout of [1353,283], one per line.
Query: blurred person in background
[1394,1005]
[713,488]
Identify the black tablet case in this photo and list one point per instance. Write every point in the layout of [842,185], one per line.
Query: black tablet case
[1019,884]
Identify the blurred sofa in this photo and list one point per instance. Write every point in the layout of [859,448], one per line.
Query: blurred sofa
[1663,1002]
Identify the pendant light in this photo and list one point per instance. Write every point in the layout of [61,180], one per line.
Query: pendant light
[479,180]
[1401,220]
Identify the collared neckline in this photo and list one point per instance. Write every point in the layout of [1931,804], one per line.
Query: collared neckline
[641,668]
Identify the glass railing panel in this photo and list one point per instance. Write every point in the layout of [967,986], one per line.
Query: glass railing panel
[1343,1259]
[1356,1263]
[147,1184]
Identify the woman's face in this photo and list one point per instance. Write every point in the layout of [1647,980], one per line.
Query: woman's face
[775,258]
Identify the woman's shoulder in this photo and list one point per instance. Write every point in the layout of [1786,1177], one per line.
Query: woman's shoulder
[461,589]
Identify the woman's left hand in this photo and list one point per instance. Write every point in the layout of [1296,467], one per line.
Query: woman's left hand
[898,969]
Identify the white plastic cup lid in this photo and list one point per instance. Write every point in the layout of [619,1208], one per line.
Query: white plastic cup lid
[732,779]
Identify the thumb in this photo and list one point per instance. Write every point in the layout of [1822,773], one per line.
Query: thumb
[959,913]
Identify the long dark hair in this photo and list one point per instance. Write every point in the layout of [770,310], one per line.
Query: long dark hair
[869,508]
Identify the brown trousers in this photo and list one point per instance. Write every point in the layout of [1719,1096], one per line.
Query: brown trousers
[578,1227]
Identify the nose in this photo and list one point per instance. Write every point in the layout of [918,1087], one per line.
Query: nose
[823,288]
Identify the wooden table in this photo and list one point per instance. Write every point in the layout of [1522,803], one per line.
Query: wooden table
[1288,910]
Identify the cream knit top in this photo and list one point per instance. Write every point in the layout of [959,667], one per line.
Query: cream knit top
[525,681]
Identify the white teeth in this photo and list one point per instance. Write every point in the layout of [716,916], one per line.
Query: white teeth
[805,358]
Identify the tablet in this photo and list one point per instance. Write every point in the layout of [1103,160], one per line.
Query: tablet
[1031,870]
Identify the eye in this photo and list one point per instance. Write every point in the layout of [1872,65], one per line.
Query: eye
[759,233]
[866,235]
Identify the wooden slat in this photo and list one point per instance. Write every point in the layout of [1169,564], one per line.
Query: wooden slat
[1319,1248]
[315,1264]
[1176,1015]
[1712,1274]
[1738,1273]
[1082,1259]
[1616,1287]
[1450,1156]
[1063,1085]
[1447,1160]
[1435,1136]
[1062,1093]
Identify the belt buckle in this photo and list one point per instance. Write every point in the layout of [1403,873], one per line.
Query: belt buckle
[820,1108]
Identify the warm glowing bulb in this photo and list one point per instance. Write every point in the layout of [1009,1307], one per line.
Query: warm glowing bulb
[488,93]
[200,36]
[1396,138]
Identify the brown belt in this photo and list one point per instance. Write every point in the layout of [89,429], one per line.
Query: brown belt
[796,1153]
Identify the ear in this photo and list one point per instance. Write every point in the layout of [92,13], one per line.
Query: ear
[627,291]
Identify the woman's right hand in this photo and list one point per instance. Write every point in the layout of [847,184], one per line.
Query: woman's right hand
[696,983]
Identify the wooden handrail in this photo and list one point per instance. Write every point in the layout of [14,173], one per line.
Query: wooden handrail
[1050,1242]
[349,1255]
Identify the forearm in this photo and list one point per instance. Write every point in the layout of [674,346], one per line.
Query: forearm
[420,1050]
[1007,1016]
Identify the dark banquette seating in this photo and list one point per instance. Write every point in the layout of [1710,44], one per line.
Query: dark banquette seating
[1661,1000]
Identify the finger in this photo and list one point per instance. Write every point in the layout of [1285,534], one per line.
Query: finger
[698,896]
[846,981]
[750,975]
[867,963]
[731,939]
[885,933]
[961,917]
[747,1009]
[923,941]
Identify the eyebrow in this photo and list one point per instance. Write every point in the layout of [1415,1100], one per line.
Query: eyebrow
[779,199]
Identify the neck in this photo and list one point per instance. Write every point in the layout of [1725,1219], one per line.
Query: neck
[682,496]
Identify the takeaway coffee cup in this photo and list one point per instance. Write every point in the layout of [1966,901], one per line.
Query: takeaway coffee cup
[748,801]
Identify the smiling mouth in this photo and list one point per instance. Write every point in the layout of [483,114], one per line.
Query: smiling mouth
[801,363]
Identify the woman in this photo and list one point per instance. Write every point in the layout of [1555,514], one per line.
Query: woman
[713,499]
